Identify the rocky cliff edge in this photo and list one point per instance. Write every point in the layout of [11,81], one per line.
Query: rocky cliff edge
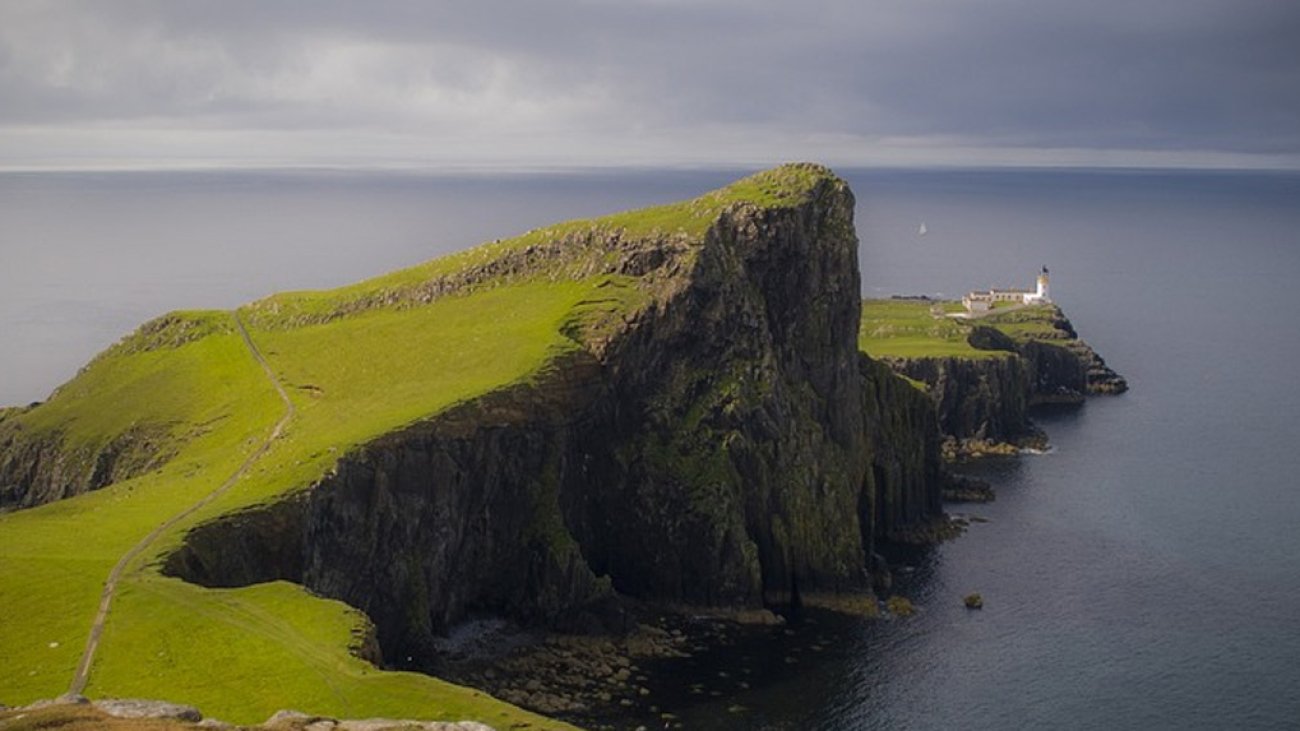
[722,442]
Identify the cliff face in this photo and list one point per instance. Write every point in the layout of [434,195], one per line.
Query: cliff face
[903,439]
[1085,372]
[722,445]
[983,400]
[38,467]
[93,430]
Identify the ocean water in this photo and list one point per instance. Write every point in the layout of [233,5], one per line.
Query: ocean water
[1143,574]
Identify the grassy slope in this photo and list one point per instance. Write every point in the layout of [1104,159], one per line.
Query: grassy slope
[370,374]
[54,559]
[909,329]
[241,654]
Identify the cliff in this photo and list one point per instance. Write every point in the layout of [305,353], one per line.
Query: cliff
[710,435]
[108,424]
[43,465]
[985,375]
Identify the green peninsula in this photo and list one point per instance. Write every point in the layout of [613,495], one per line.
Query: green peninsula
[984,371]
[290,503]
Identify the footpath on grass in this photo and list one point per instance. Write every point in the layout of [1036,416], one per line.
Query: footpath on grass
[82,674]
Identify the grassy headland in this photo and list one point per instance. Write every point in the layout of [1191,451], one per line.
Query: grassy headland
[358,362]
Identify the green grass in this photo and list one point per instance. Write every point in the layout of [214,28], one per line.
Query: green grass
[269,646]
[903,328]
[54,558]
[242,654]
[352,380]
[374,361]
[688,220]
[184,390]
[1035,322]
[894,328]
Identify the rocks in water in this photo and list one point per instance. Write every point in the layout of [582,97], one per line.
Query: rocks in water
[136,708]
[938,530]
[973,601]
[900,606]
[864,605]
[961,489]
[757,617]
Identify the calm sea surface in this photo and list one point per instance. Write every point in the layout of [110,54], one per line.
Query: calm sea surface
[1143,574]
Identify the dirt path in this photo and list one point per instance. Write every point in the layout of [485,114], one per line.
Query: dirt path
[986,313]
[82,675]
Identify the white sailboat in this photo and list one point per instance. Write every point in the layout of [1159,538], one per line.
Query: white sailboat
[922,230]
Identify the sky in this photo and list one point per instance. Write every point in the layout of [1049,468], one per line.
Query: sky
[576,83]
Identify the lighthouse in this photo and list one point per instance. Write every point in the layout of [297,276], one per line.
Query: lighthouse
[1041,295]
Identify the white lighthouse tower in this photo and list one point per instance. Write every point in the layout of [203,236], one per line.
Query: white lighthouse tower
[1042,294]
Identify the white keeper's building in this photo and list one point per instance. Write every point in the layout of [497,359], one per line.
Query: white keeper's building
[982,301]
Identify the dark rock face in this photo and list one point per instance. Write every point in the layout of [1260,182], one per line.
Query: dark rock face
[983,337]
[247,547]
[1056,374]
[1101,379]
[725,445]
[903,439]
[984,399]
[983,402]
[37,468]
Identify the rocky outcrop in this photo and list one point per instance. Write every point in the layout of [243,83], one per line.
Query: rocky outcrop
[1056,374]
[975,398]
[983,402]
[1101,379]
[136,708]
[721,445]
[1097,377]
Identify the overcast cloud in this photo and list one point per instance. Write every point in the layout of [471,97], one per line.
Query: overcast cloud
[583,82]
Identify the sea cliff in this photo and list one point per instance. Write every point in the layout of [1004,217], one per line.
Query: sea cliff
[985,374]
[661,407]
[719,447]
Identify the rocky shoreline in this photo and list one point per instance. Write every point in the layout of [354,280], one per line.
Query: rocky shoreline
[673,660]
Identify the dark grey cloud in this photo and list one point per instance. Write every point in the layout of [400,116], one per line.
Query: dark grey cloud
[721,79]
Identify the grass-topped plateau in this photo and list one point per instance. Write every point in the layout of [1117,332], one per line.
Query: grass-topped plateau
[357,362]
[924,328]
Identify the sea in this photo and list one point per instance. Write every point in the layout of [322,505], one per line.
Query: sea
[1143,573]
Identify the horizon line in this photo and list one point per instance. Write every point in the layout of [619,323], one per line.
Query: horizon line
[586,167]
